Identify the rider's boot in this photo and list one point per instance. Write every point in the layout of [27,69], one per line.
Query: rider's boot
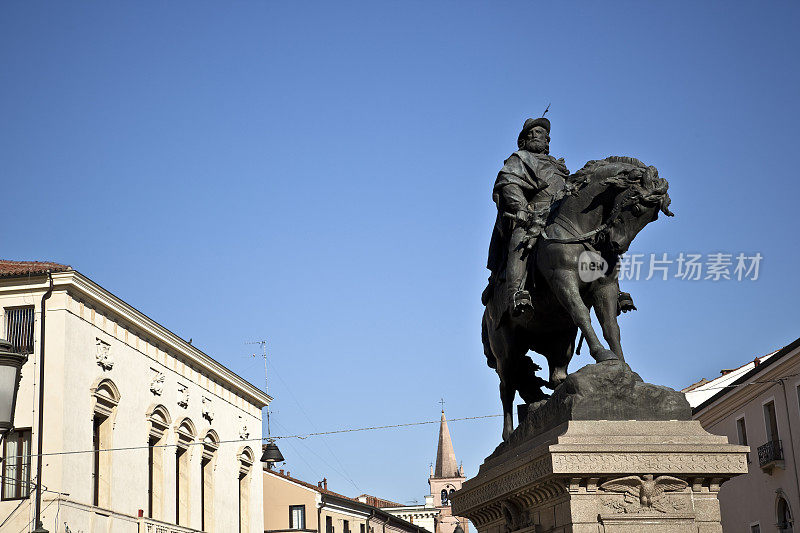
[521,302]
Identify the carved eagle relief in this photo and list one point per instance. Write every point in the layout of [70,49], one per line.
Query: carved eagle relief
[648,490]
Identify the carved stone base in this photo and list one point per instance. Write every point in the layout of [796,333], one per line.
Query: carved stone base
[604,476]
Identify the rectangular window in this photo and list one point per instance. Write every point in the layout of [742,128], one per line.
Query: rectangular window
[361,528]
[328,524]
[180,486]
[150,475]
[16,466]
[741,430]
[297,517]
[19,328]
[771,421]
[346,526]
[97,422]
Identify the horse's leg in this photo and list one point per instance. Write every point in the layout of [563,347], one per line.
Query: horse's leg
[496,347]
[604,296]
[565,286]
[560,356]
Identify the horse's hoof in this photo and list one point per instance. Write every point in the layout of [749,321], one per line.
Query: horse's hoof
[605,355]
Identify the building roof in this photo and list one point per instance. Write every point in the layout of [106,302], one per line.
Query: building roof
[702,395]
[446,465]
[377,502]
[11,269]
[64,275]
[347,500]
[318,487]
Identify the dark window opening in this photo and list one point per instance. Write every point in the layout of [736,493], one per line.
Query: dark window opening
[150,475]
[97,422]
[771,421]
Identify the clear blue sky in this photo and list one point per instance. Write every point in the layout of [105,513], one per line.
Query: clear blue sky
[319,174]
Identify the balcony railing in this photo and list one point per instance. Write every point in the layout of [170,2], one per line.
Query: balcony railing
[769,453]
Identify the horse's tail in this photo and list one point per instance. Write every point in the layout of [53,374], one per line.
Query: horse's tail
[491,360]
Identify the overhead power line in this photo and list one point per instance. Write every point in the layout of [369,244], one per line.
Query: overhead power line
[263,439]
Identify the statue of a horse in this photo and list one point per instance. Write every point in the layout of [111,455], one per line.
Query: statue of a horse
[608,203]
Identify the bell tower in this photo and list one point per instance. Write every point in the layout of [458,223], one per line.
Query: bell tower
[445,479]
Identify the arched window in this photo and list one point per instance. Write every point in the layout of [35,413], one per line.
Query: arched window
[246,459]
[784,515]
[106,397]
[210,445]
[159,419]
[185,434]
[445,500]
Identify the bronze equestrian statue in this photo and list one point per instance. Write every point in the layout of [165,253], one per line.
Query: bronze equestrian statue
[549,225]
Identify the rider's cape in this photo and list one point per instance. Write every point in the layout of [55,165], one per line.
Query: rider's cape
[532,173]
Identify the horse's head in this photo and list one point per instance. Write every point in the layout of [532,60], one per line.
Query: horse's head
[639,195]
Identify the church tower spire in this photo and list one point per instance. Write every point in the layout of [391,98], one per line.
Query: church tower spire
[445,479]
[446,465]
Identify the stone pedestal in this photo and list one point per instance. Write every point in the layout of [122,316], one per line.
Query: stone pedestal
[603,476]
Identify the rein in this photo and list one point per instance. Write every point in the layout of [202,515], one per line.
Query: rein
[583,238]
[563,223]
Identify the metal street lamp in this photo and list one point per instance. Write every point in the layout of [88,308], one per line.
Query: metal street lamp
[271,454]
[10,373]
[10,370]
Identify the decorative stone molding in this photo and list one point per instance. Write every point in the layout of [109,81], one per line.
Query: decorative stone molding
[103,355]
[642,495]
[185,433]
[515,480]
[183,396]
[622,463]
[207,409]
[246,460]
[244,433]
[210,445]
[159,419]
[157,383]
[106,397]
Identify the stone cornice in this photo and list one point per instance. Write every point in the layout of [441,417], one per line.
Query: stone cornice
[79,285]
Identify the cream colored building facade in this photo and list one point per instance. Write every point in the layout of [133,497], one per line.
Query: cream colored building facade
[294,505]
[184,431]
[757,404]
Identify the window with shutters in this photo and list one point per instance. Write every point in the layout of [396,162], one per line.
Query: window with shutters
[16,467]
[297,517]
[19,328]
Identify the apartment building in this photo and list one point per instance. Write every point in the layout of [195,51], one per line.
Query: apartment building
[291,504]
[757,404]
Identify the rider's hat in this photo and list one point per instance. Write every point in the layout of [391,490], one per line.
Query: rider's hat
[532,123]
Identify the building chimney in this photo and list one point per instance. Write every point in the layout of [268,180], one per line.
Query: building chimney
[288,473]
[281,470]
[325,483]
[319,484]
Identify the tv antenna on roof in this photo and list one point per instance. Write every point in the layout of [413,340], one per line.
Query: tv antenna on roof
[271,452]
